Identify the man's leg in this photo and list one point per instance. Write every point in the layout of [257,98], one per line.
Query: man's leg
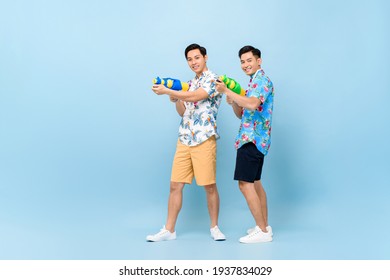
[263,199]
[254,203]
[213,206]
[174,204]
[212,203]
[182,173]
[204,158]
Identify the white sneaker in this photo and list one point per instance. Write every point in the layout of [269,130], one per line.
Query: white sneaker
[216,234]
[162,235]
[256,236]
[268,228]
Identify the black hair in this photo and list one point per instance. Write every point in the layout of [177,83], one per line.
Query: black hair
[255,52]
[195,47]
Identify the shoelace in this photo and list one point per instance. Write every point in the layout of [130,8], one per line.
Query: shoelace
[217,232]
[253,233]
[162,231]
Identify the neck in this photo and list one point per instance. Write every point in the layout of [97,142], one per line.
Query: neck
[258,69]
[200,74]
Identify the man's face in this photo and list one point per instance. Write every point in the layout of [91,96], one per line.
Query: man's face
[250,63]
[196,61]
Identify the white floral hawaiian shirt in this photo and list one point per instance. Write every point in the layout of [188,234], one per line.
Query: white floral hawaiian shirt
[199,120]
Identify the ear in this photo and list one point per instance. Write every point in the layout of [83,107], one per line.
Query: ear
[205,58]
[259,61]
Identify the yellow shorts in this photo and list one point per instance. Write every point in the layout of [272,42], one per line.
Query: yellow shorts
[199,161]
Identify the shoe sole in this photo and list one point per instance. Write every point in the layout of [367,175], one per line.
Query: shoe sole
[150,239]
[255,241]
[219,239]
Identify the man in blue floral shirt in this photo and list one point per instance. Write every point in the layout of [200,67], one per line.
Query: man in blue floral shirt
[253,139]
[196,147]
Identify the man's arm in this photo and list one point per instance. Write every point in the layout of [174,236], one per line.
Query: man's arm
[188,96]
[236,109]
[180,107]
[250,103]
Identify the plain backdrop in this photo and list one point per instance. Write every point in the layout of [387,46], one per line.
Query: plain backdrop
[86,147]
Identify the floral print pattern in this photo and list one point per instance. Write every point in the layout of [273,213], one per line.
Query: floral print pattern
[199,120]
[256,125]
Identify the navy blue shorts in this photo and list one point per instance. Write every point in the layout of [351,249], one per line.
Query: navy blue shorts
[249,163]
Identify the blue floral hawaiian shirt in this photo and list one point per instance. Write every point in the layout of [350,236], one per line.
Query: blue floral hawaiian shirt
[199,120]
[256,125]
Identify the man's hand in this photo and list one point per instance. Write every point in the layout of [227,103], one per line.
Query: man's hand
[160,89]
[220,86]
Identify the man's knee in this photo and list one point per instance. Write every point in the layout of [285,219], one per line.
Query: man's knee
[211,189]
[176,187]
[245,186]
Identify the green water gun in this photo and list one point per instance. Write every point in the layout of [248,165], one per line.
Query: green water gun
[232,85]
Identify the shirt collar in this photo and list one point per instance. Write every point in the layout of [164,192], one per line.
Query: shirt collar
[259,71]
[202,75]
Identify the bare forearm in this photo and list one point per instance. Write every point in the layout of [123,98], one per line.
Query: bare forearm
[250,103]
[189,96]
[180,108]
[237,110]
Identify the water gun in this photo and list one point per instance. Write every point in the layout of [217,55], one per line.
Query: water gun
[232,85]
[174,84]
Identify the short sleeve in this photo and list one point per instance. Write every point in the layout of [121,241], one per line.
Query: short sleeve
[261,88]
[209,86]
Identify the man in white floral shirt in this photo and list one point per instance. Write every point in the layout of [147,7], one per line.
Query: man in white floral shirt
[253,139]
[196,147]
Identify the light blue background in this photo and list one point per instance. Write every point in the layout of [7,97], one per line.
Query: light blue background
[86,146]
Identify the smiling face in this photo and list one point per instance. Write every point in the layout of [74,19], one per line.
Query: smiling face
[250,63]
[196,61]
